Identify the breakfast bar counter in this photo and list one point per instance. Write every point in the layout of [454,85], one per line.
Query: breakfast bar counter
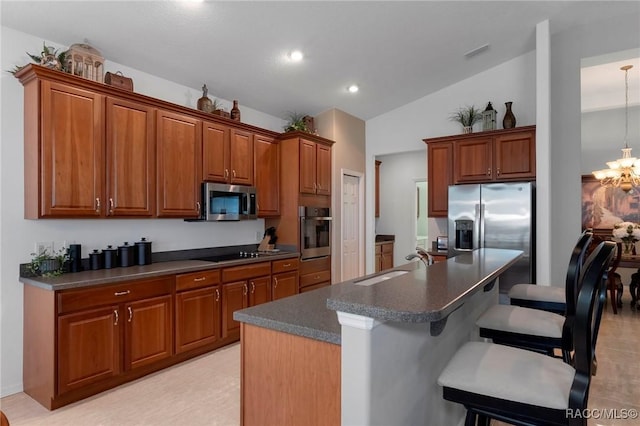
[369,350]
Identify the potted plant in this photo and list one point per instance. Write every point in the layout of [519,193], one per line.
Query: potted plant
[467,116]
[48,264]
[49,57]
[296,123]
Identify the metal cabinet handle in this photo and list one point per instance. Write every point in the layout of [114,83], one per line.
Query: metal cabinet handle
[489,171]
[121,293]
[226,173]
[275,283]
[217,295]
[253,287]
[315,186]
[199,279]
[317,277]
[498,171]
[198,206]
[97,205]
[130,313]
[115,314]
[286,265]
[234,173]
[244,289]
[110,205]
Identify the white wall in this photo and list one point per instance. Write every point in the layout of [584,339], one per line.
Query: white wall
[19,235]
[398,175]
[403,129]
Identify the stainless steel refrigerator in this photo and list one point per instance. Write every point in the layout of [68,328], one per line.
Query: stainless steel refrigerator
[495,215]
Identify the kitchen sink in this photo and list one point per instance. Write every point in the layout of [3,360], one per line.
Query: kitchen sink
[380,278]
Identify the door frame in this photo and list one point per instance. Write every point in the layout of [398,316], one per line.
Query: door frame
[361,219]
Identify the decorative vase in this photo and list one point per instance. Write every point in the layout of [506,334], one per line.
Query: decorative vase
[467,129]
[235,111]
[204,103]
[509,120]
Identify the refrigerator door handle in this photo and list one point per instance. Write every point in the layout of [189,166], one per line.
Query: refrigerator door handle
[481,223]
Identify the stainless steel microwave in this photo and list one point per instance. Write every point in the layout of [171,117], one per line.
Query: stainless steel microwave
[228,202]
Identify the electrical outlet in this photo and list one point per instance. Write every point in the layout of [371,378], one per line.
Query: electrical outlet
[41,246]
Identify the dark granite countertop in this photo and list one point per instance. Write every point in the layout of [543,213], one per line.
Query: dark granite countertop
[115,275]
[421,295]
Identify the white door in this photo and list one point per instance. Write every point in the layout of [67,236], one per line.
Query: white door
[350,227]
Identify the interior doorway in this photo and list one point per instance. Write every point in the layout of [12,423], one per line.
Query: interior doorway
[352,226]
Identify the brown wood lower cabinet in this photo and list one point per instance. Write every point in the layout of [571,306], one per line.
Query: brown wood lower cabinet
[384,256]
[82,341]
[315,271]
[89,347]
[198,302]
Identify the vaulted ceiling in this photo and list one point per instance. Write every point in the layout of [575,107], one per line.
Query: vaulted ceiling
[395,51]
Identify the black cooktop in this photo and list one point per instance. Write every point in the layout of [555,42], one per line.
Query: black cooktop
[230,256]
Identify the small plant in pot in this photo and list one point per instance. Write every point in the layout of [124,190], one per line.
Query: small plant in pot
[296,123]
[467,116]
[48,264]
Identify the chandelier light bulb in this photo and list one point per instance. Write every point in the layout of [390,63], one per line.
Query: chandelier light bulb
[353,88]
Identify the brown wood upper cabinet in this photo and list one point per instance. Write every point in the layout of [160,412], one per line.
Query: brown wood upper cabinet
[68,151]
[179,164]
[496,157]
[493,156]
[131,149]
[92,150]
[315,168]
[266,158]
[227,154]
[439,177]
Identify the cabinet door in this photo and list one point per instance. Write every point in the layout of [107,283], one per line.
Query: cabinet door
[386,257]
[323,170]
[378,258]
[515,155]
[472,160]
[285,284]
[234,298]
[215,152]
[131,189]
[241,154]
[72,152]
[179,165]
[259,290]
[267,164]
[88,347]
[439,177]
[197,318]
[149,331]
[307,167]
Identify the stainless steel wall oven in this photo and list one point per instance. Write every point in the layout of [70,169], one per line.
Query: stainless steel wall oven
[315,231]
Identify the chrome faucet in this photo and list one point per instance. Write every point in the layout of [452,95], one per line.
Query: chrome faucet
[421,254]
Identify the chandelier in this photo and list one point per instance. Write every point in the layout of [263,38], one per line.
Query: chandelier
[623,173]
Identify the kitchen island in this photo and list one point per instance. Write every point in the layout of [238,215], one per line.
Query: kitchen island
[366,351]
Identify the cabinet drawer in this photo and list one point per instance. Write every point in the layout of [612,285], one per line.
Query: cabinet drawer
[314,278]
[239,273]
[314,287]
[197,280]
[315,265]
[285,265]
[73,300]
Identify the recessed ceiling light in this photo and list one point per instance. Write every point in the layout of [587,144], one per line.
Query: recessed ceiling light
[296,56]
[353,88]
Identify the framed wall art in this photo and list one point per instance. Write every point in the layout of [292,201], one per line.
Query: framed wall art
[604,207]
